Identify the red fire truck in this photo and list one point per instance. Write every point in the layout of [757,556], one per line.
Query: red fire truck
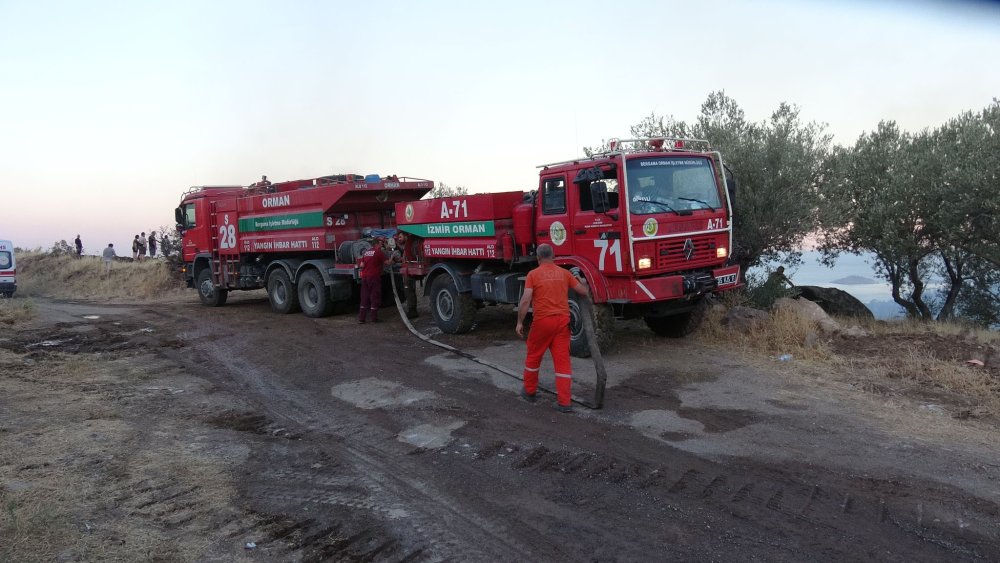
[647,224]
[299,240]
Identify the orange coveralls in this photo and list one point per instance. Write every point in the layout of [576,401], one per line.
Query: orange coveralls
[549,330]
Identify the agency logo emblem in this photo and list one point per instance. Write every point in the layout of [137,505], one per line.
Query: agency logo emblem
[409,212]
[650,227]
[557,232]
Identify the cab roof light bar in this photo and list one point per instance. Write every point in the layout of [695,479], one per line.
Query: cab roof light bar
[617,147]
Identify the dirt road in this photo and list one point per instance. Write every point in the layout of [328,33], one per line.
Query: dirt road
[177,432]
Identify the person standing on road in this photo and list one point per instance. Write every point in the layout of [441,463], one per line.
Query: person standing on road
[152,244]
[546,291]
[109,256]
[79,246]
[372,261]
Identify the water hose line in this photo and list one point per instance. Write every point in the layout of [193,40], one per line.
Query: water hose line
[599,395]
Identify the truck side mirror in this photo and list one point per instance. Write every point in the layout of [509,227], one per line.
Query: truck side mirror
[179,219]
[730,184]
[599,197]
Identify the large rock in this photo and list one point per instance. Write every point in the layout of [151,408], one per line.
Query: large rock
[808,310]
[744,319]
[835,301]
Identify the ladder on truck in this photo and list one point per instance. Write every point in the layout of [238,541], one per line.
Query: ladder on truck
[219,265]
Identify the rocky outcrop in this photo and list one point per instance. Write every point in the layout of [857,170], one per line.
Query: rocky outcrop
[835,301]
[808,310]
[744,318]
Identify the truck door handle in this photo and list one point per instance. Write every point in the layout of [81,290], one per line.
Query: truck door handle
[542,233]
[580,232]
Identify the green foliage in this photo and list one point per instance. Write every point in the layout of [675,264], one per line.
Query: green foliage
[169,243]
[779,164]
[925,205]
[62,248]
[444,190]
[762,291]
[979,300]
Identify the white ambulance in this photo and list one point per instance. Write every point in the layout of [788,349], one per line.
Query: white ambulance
[8,269]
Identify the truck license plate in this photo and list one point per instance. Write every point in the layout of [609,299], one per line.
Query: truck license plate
[726,280]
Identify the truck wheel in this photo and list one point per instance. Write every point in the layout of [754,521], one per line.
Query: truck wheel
[313,297]
[604,327]
[678,326]
[282,293]
[454,312]
[210,295]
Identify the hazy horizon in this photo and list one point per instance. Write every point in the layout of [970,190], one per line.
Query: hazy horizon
[112,110]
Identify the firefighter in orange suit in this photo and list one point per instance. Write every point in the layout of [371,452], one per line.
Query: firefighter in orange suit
[546,291]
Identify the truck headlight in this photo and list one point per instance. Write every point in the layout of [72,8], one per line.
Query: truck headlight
[721,252]
[645,263]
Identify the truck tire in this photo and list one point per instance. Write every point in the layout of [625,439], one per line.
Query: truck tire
[210,295]
[681,325]
[604,327]
[313,297]
[454,312]
[282,293]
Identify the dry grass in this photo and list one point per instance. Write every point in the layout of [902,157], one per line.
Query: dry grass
[69,277]
[16,311]
[917,328]
[922,360]
[32,526]
[783,332]
[81,451]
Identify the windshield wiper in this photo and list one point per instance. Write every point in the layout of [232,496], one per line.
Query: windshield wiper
[697,201]
[667,206]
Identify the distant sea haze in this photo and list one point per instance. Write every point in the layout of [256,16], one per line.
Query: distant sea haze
[853,274]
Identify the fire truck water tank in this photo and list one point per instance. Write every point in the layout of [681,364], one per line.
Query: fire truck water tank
[523,214]
[507,246]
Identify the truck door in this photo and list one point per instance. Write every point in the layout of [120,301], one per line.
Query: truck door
[598,236]
[553,224]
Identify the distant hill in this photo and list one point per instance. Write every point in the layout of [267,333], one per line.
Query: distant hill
[854,280]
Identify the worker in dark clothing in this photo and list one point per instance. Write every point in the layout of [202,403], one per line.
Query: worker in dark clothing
[152,244]
[546,291]
[778,278]
[371,263]
[79,246]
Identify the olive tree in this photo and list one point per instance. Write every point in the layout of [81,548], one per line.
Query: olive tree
[780,166]
[444,190]
[962,206]
[869,207]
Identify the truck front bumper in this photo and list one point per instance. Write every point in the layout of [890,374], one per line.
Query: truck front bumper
[666,288]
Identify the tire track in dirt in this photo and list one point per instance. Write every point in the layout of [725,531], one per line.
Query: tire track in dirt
[784,502]
[967,530]
[453,532]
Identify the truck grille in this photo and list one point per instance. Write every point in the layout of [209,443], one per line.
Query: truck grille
[673,254]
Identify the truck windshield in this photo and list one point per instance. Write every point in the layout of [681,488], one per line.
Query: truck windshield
[670,184]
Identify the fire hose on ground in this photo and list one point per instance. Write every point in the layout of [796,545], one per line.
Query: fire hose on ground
[587,315]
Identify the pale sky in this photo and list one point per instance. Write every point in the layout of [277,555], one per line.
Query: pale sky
[110,110]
